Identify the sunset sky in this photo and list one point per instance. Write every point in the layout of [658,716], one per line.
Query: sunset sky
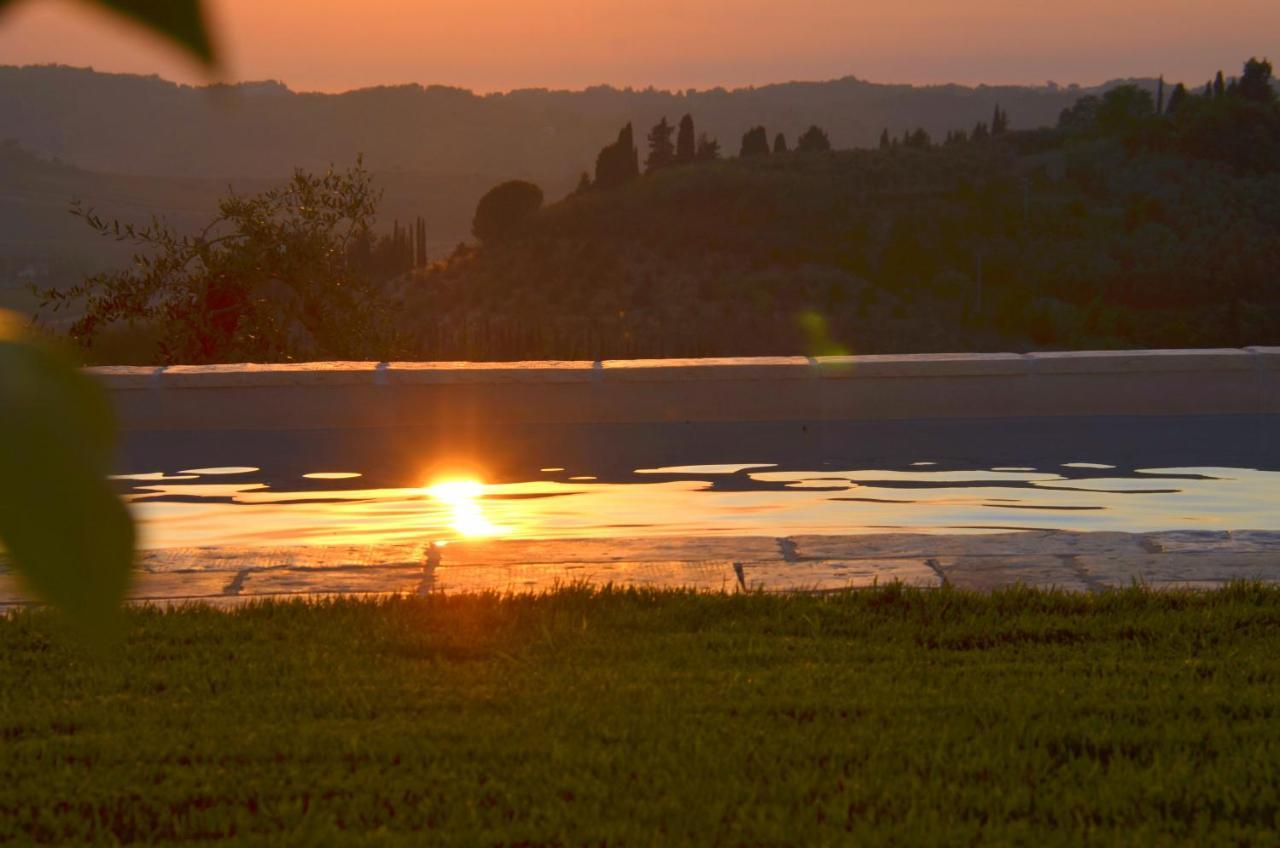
[491,45]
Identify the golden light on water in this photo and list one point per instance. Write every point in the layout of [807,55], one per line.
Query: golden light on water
[463,498]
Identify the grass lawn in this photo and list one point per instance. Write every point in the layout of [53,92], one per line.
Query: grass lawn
[885,717]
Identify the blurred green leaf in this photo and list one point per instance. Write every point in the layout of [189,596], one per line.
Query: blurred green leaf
[181,21]
[67,533]
[817,336]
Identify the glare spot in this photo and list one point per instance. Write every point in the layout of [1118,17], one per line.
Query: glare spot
[733,468]
[154,477]
[463,499]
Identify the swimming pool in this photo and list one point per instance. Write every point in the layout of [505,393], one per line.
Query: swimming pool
[324,487]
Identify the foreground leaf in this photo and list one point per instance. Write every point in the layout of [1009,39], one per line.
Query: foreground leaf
[181,21]
[66,532]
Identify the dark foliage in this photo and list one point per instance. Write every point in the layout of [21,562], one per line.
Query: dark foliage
[662,152]
[273,277]
[504,212]
[813,140]
[999,121]
[708,149]
[1122,228]
[1255,83]
[686,142]
[755,142]
[619,162]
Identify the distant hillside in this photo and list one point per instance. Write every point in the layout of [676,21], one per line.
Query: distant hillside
[145,125]
[1135,220]
[134,146]
[1124,229]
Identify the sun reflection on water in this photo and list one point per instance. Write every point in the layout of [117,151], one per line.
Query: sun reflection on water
[463,497]
[455,503]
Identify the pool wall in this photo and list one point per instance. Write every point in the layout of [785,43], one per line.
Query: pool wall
[343,395]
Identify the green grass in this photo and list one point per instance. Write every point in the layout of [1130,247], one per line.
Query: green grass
[886,717]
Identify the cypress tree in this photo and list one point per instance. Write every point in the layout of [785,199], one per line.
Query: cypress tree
[885,143]
[1219,85]
[755,142]
[1176,98]
[628,155]
[619,162]
[999,121]
[1160,96]
[686,143]
[662,152]
[708,149]
[780,144]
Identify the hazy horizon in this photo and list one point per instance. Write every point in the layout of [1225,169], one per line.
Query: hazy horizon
[491,46]
[198,82]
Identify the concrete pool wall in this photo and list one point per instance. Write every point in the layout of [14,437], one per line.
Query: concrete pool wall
[341,395]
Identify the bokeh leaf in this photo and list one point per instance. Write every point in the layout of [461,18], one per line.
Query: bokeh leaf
[66,532]
[182,21]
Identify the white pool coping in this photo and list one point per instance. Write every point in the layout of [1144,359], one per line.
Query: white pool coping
[340,395]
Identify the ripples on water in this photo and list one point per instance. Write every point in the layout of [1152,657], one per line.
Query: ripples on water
[245,505]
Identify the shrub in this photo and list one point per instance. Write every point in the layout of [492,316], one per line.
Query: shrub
[505,210]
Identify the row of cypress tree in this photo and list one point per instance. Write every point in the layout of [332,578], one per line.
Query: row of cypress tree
[669,145]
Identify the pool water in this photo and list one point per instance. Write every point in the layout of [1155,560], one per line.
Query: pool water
[1088,475]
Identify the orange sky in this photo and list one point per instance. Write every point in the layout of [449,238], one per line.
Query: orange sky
[501,44]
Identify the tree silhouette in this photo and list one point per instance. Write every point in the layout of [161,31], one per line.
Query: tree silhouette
[755,142]
[505,209]
[980,131]
[780,144]
[686,143]
[885,143]
[708,149]
[1160,96]
[662,153]
[918,139]
[273,275]
[1081,116]
[1122,108]
[814,140]
[1219,85]
[1176,98]
[619,162]
[1255,83]
[999,121]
